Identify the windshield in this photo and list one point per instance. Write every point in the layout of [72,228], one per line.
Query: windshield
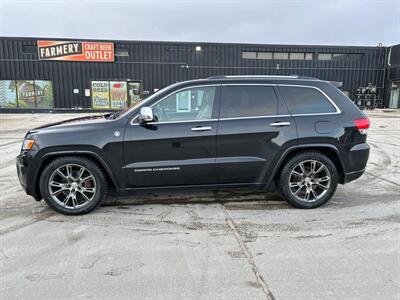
[128,110]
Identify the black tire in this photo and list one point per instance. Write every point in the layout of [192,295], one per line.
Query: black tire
[291,164]
[100,184]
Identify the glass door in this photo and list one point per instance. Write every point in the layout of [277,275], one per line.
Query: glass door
[134,92]
[394,95]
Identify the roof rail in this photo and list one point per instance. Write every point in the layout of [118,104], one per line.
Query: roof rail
[263,76]
[253,76]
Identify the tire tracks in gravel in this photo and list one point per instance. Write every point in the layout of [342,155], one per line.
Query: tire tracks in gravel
[42,216]
[21,225]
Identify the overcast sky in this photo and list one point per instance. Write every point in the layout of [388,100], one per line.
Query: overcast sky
[325,22]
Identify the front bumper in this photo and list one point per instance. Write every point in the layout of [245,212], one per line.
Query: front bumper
[25,174]
[22,170]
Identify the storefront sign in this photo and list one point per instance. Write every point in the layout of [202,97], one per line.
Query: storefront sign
[76,51]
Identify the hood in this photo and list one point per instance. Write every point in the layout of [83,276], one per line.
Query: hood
[74,121]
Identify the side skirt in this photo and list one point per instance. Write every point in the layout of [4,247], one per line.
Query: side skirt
[253,186]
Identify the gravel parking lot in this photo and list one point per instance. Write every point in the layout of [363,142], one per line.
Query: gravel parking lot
[205,245]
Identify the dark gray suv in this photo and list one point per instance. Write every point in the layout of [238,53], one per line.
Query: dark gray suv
[300,134]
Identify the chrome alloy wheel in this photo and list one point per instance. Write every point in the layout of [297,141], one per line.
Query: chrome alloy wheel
[72,186]
[309,180]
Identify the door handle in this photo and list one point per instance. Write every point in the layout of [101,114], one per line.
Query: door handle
[279,124]
[202,128]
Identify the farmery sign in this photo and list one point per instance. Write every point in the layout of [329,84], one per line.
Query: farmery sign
[76,51]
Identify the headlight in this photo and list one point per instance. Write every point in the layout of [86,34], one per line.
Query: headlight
[28,144]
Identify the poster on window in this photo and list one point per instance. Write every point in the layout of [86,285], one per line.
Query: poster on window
[118,94]
[44,94]
[26,93]
[8,94]
[100,95]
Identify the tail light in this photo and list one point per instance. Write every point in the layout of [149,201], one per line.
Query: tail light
[362,125]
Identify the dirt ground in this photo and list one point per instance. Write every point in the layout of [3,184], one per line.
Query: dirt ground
[205,245]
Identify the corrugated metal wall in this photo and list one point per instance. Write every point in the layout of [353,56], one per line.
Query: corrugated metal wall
[158,64]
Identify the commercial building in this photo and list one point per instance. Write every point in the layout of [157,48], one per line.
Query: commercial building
[39,74]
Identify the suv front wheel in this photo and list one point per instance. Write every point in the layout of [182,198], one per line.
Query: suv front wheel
[308,180]
[73,185]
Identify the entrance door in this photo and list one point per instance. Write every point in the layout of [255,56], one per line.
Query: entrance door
[180,147]
[394,95]
[134,92]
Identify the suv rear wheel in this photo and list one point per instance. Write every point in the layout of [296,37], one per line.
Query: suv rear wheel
[308,180]
[73,185]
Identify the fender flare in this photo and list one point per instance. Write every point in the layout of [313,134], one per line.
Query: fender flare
[96,156]
[289,150]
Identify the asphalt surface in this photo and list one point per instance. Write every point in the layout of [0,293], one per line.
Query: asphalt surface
[205,245]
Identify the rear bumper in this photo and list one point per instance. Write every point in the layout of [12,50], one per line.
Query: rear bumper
[356,161]
[353,175]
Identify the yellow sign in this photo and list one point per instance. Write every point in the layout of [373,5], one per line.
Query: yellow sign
[100,95]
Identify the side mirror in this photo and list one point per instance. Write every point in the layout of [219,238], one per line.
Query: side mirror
[146,115]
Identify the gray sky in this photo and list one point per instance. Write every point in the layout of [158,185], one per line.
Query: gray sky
[326,22]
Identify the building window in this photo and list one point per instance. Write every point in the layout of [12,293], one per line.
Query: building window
[340,56]
[249,55]
[281,55]
[8,94]
[277,55]
[121,53]
[308,56]
[296,55]
[29,49]
[28,94]
[324,56]
[355,56]
[264,55]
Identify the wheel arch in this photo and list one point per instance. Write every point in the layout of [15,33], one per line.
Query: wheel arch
[327,149]
[49,157]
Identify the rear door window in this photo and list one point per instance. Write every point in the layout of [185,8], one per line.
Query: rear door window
[248,101]
[305,100]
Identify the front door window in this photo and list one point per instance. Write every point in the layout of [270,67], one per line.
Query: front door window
[186,105]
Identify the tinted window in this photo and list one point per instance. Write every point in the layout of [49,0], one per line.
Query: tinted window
[186,105]
[301,100]
[248,101]
[339,56]
[355,56]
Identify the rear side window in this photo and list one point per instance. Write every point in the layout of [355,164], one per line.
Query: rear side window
[303,100]
[248,101]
